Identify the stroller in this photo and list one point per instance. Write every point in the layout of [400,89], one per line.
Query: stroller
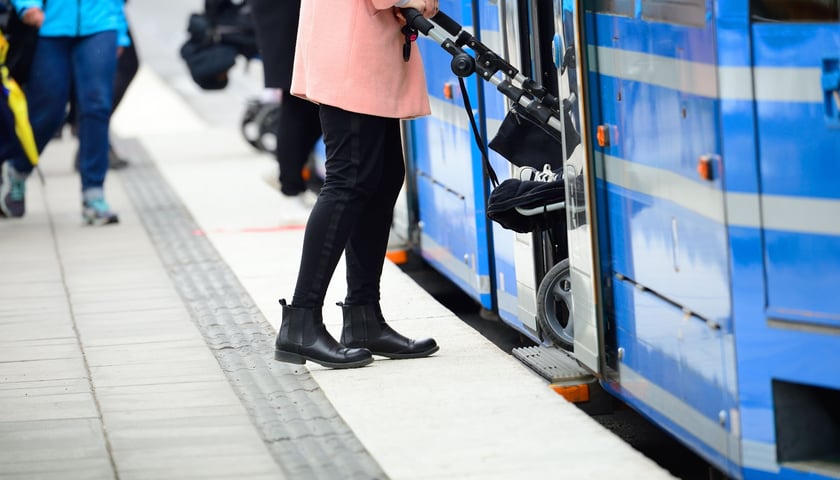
[537,135]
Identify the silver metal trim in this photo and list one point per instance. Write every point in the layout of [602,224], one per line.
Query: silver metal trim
[709,431]
[799,214]
[705,200]
[507,302]
[772,212]
[800,326]
[685,76]
[480,283]
[772,84]
[450,113]
[759,456]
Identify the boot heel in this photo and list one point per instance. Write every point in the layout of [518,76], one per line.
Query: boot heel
[289,357]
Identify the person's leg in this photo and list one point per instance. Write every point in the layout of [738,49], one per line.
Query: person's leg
[127,65]
[366,247]
[46,93]
[297,131]
[364,324]
[94,63]
[354,151]
[354,145]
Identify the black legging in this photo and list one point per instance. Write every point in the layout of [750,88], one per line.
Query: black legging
[353,214]
[297,131]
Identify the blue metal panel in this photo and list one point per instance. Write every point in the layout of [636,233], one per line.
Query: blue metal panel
[447,165]
[695,273]
[656,236]
[682,357]
[799,151]
[663,39]
[655,242]
[494,109]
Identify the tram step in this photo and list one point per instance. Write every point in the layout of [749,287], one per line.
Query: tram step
[554,364]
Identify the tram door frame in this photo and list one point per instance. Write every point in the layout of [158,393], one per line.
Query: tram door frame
[580,206]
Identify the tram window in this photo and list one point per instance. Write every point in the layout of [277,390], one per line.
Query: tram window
[796,10]
[684,12]
[614,7]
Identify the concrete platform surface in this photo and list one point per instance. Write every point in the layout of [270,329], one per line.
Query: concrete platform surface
[104,372]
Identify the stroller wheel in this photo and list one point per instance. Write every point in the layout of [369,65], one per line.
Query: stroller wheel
[249,125]
[554,302]
[268,124]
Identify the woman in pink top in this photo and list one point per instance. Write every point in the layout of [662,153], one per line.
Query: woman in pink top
[349,60]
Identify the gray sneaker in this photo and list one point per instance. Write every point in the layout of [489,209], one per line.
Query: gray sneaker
[97,212]
[12,191]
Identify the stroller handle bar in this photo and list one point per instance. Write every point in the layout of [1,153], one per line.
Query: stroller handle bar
[517,87]
[463,64]
[417,21]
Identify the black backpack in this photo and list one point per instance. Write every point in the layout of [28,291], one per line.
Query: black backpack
[22,42]
[218,35]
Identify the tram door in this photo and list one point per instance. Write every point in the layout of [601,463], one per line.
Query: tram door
[588,337]
[797,90]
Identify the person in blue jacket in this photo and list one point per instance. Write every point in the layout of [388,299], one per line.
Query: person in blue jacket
[79,41]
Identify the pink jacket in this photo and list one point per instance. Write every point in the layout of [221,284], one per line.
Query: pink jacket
[349,56]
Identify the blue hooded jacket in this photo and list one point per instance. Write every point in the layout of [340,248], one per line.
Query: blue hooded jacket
[79,18]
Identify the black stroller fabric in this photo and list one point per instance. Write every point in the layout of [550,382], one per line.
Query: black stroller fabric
[513,193]
[525,142]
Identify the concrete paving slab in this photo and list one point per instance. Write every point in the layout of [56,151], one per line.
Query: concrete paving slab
[50,442]
[166,396]
[176,371]
[121,418]
[189,463]
[48,407]
[35,326]
[38,349]
[36,388]
[114,304]
[33,290]
[40,370]
[63,469]
[167,353]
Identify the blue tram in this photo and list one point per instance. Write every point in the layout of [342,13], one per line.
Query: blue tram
[702,243]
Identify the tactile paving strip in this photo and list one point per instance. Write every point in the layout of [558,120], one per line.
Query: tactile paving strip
[303,431]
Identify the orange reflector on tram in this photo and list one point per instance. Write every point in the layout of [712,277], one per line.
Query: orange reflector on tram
[398,257]
[704,168]
[573,393]
[603,135]
[447,91]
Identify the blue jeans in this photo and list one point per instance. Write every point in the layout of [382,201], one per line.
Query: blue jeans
[91,63]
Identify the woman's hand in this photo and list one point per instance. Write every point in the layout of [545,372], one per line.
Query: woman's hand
[33,16]
[429,8]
